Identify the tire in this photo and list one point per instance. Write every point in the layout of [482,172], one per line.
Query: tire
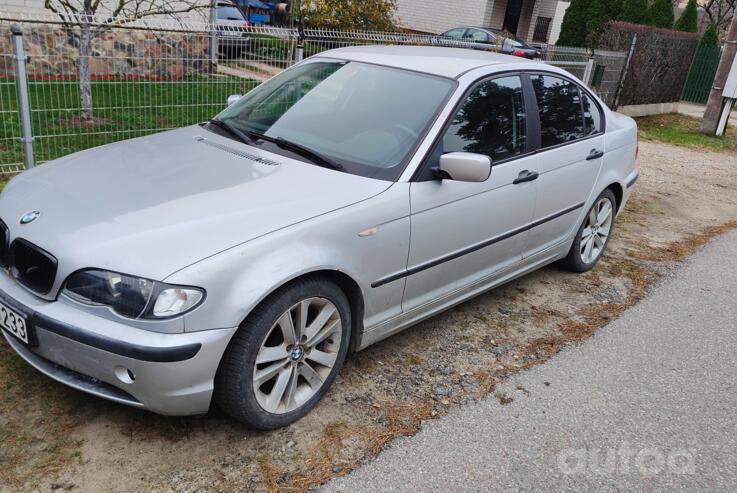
[299,380]
[578,260]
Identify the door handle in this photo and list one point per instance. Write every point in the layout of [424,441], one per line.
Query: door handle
[526,176]
[595,154]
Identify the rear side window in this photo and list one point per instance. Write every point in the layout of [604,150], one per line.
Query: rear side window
[591,116]
[561,110]
[491,121]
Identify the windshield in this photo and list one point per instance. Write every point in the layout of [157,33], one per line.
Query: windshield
[230,13]
[365,117]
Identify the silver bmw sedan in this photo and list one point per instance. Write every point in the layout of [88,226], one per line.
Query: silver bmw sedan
[237,262]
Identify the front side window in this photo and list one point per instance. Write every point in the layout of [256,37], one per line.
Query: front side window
[477,36]
[561,113]
[365,117]
[455,33]
[491,121]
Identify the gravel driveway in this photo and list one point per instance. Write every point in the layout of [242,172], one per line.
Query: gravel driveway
[647,403]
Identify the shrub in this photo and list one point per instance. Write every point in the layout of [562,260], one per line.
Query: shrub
[689,20]
[586,20]
[635,12]
[661,13]
[350,15]
[710,37]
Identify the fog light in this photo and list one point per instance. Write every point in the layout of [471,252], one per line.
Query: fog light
[125,375]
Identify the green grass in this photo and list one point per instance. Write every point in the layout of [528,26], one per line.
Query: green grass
[682,130]
[123,109]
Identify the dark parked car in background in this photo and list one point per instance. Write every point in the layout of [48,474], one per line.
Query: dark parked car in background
[232,26]
[506,42]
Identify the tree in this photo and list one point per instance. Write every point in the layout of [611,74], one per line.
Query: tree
[586,20]
[573,30]
[714,105]
[710,37]
[86,15]
[689,20]
[661,13]
[719,12]
[350,15]
[635,11]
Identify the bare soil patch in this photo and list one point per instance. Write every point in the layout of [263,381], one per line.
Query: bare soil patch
[54,438]
[78,121]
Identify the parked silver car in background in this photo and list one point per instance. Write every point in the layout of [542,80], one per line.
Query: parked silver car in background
[355,194]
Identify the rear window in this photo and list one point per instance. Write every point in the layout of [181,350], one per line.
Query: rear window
[561,111]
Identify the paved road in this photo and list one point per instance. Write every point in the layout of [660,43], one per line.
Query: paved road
[650,402]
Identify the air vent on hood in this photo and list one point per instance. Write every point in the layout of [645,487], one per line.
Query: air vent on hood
[230,150]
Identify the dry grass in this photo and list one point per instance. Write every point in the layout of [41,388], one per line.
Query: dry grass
[591,318]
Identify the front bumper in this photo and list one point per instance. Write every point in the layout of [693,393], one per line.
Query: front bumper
[168,374]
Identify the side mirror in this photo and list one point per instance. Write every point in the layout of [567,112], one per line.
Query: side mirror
[465,166]
[233,98]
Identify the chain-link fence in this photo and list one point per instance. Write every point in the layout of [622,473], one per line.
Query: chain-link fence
[92,82]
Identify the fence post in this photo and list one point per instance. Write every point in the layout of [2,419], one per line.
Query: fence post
[300,53]
[589,72]
[24,105]
[213,33]
[626,68]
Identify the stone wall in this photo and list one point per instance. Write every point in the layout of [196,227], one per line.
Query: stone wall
[53,52]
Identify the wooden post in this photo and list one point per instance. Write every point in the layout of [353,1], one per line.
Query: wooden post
[714,106]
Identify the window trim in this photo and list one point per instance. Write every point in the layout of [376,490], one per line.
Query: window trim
[534,138]
[532,135]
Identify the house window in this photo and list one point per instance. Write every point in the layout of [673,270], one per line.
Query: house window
[542,29]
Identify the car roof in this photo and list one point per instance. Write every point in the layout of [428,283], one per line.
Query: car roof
[436,60]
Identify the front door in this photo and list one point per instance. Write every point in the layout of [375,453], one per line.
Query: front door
[512,16]
[465,232]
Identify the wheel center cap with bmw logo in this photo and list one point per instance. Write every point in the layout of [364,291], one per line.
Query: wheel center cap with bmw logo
[297,353]
[29,217]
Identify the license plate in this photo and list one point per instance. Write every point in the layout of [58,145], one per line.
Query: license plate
[14,322]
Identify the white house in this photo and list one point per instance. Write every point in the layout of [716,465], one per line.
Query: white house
[531,20]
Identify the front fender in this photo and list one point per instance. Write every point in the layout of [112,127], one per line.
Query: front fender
[238,279]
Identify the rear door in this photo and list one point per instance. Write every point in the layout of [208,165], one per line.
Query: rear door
[570,158]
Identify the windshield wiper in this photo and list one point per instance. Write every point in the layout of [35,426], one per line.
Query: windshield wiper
[242,136]
[301,150]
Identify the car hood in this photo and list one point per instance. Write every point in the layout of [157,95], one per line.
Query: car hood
[153,205]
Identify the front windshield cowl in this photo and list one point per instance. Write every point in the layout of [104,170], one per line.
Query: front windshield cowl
[366,119]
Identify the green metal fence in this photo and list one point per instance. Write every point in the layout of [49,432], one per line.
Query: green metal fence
[701,75]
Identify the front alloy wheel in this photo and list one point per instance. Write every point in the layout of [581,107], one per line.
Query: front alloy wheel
[297,355]
[285,355]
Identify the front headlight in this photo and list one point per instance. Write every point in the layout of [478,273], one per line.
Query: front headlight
[131,297]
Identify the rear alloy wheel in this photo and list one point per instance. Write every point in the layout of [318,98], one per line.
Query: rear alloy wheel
[593,235]
[285,355]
